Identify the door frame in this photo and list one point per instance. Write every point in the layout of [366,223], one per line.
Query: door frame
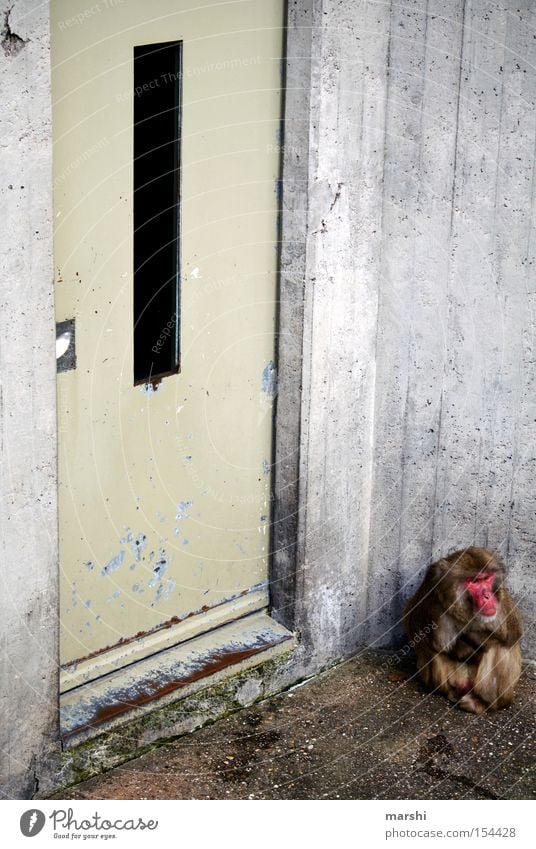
[287,542]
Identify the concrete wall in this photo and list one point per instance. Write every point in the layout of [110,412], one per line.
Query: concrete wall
[28,659]
[407,288]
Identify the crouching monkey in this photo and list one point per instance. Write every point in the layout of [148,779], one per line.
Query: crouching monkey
[466,629]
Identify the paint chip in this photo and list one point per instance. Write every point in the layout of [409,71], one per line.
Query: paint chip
[182,510]
[113,564]
[159,568]
[138,545]
[149,388]
[269,380]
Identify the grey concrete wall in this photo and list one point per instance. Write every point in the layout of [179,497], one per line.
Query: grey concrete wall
[28,597]
[408,307]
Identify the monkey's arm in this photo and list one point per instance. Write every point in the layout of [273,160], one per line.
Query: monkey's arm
[421,616]
[510,629]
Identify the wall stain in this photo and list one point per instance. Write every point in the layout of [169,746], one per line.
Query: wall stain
[12,43]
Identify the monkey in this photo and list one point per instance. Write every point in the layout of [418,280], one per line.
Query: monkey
[466,630]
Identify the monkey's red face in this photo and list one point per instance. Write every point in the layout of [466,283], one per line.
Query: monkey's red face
[480,588]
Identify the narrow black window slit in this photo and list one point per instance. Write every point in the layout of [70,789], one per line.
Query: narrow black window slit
[157,134]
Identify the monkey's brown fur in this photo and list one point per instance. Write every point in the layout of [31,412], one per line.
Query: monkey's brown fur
[472,659]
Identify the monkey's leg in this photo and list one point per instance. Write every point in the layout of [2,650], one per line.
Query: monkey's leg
[452,678]
[462,682]
[497,674]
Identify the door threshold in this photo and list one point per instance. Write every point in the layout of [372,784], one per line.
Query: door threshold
[117,697]
[166,635]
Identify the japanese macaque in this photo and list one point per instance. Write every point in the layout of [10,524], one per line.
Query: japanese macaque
[466,631]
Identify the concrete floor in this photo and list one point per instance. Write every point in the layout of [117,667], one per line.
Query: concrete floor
[364,730]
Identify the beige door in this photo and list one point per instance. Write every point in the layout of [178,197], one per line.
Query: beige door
[164,481]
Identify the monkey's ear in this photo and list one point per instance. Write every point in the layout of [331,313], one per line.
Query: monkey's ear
[499,564]
[440,569]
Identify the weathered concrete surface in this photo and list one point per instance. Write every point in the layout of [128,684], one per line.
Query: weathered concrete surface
[365,730]
[28,548]
[408,307]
